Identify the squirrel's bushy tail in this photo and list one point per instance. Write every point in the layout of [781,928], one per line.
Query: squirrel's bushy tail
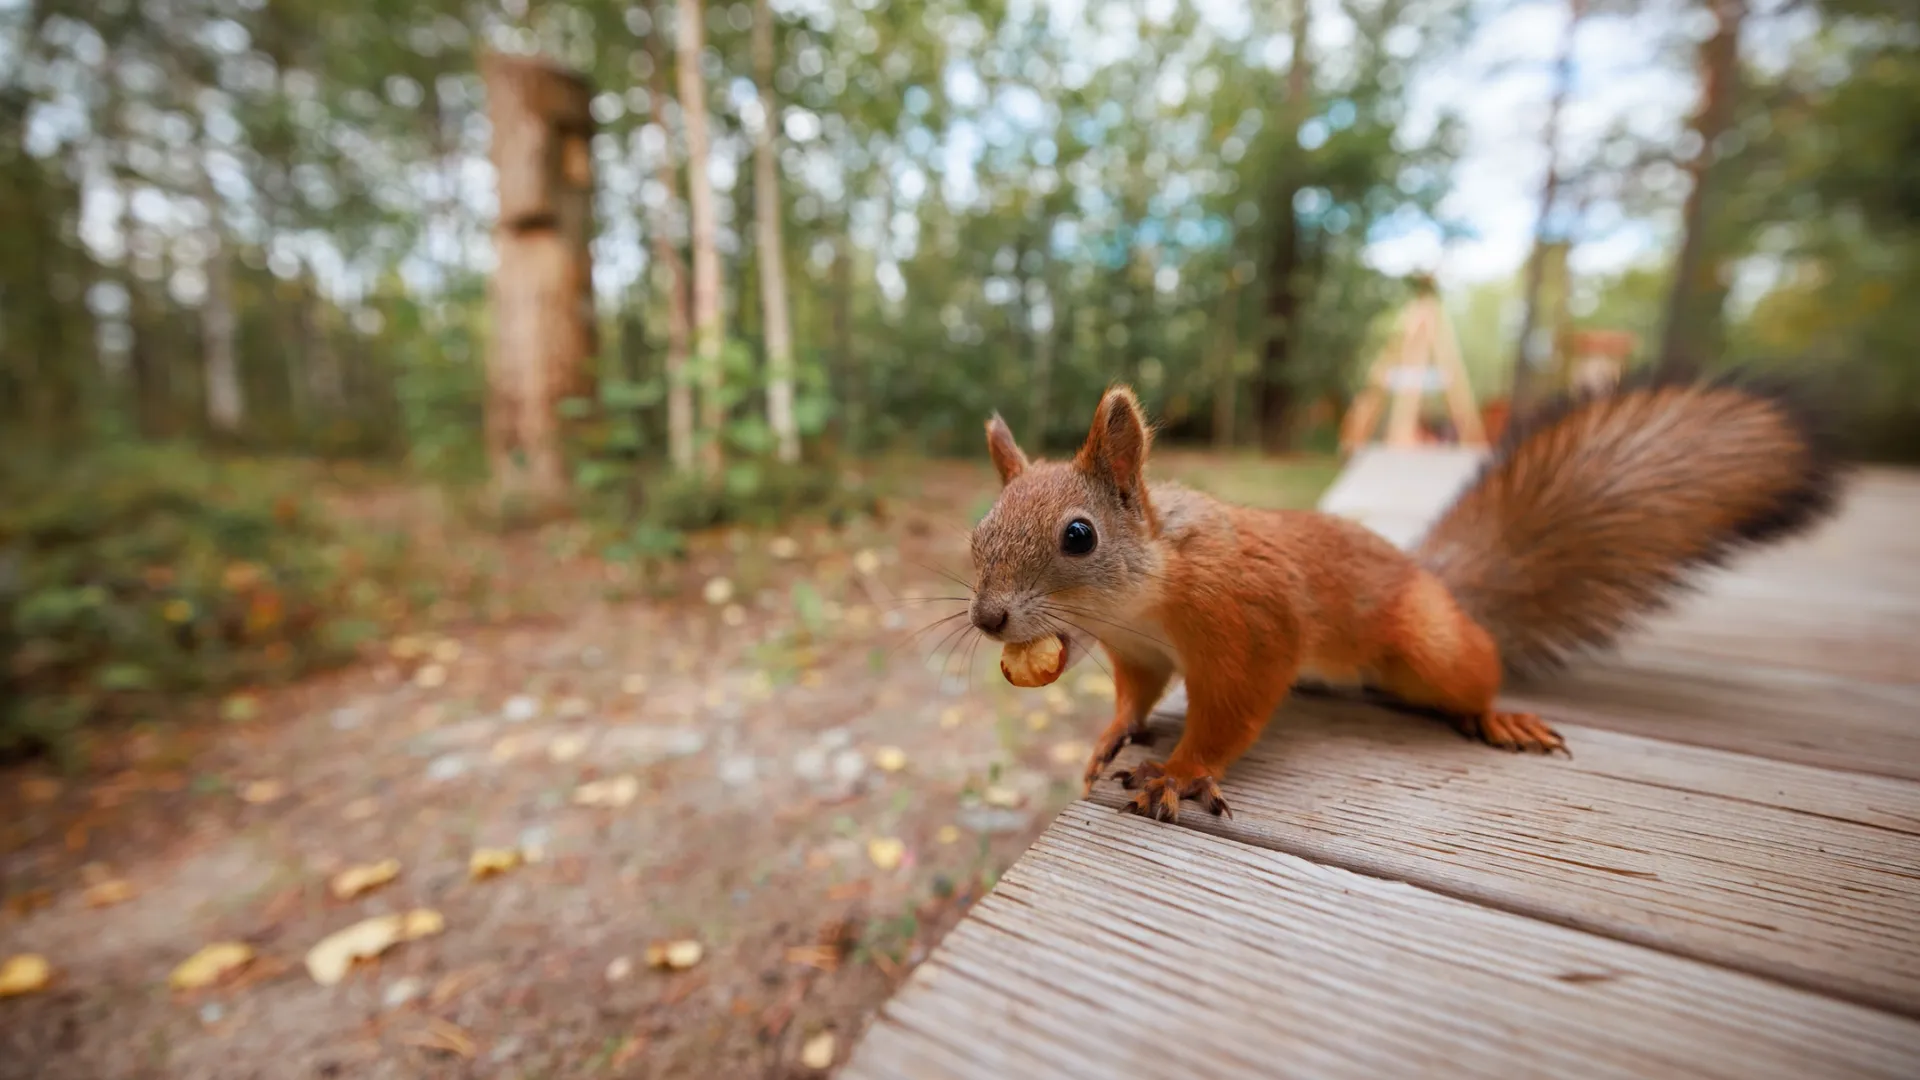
[1593,512]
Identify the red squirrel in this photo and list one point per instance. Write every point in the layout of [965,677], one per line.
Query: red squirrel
[1585,518]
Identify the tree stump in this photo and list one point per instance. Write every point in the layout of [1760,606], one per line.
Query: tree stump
[542,289]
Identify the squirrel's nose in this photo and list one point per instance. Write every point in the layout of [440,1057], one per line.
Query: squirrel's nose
[991,618]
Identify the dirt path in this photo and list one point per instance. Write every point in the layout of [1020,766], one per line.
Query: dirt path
[811,801]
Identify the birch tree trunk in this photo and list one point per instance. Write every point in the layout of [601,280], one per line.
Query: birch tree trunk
[773,269]
[707,330]
[226,402]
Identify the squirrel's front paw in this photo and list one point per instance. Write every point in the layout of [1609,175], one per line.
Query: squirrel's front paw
[1161,789]
[1117,738]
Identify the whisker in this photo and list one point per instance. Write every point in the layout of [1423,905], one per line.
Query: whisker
[1109,622]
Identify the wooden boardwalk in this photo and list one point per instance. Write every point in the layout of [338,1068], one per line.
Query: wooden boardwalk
[1723,881]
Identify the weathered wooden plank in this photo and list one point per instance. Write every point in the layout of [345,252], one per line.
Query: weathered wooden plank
[1119,948]
[1784,713]
[1807,886]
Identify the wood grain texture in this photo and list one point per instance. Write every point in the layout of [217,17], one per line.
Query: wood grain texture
[1119,948]
[1786,713]
[1807,877]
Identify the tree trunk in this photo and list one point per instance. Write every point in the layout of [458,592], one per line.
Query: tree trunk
[852,396]
[1224,405]
[1273,390]
[708,332]
[1695,305]
[773,270]
[226,401]
[1528,356]
[542,292]
[679,319]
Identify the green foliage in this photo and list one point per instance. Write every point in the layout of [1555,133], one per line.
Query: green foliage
[133,573]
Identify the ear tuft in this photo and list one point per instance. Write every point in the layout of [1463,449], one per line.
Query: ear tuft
[1008,459]
[1116,446]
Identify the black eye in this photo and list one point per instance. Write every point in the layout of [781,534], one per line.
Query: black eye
[1078,539]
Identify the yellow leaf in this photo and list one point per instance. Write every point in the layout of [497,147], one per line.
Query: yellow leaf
[1070,752]
[446,651]
[355,880]
[487,862]
[634,684]
[885,852]
[334,955]
[948,834]
[783,547]
[718,591]
[260,792]
[430,677]
[565,748]
[1038,721]
[817,1054]
[890,758]
[1004,797]
[176,611]
[109,892]
[406,648]
[1095,684]
[674,955]
[867,561]
[614,793]
[24,974]
[210,965]
[952,717]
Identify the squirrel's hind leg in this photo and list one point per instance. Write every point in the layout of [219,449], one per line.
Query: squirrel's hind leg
[1444,661]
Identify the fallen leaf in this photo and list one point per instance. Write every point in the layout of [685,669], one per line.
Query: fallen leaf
[565,748]
[867,561]
[616,792]
[26,973]
[39,789]
[733,615]
[718,591]
[430,677]
[1095,684]
[334,955]
[674,955]
[890,758]
[1038,721]
[952,717]
[821,957]
[817,1054]
[446,651]
[1069,752]
[813,678]
[486,862]
[355,880]
[619,968]
[108,893]
[261,792]
[508,747]
[1004,797]
[210,965]
[783,547]
[634,684]
[948,834]
[406,648]
[444,1036]
[885,852]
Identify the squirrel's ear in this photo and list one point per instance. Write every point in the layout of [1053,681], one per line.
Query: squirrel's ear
[1116,447]
[1008,460]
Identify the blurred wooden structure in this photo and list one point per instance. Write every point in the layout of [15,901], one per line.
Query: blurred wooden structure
[1722,881]
[1596,359]
[1422,357]
[542,290]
